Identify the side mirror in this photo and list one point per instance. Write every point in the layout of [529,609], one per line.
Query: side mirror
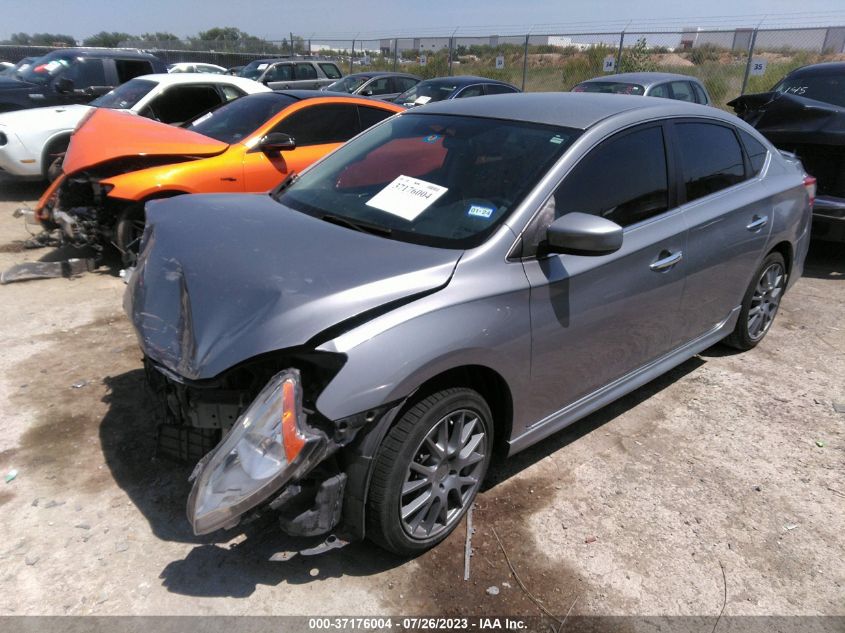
[583,234]
[276,142]
[63,85]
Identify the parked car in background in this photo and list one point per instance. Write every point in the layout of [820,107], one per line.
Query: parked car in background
[191,67]
[4,66]
[234,70]
[32,140]
[292,73]
[22,65]
[468,277]
[648,84]
[442,88]
[74,75]
[804,113]
[117,162]
[381,85]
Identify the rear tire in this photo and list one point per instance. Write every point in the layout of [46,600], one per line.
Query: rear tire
[760,303]
[428,471]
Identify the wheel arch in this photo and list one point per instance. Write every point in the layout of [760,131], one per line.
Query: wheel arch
[59,137]
[786,250]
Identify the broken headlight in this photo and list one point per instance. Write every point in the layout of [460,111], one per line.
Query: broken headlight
[265,448]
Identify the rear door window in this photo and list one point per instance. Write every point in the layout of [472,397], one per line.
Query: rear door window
[130,68]
[405,83]
[624,179]
[711,158]
[682,91]
[498,89]
[305,71]
[331,71]
[321,124]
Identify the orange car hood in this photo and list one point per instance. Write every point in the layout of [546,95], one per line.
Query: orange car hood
[110,134]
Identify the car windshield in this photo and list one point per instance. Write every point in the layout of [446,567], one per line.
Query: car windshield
[253,70]
[427,92]
[45,69]
[440,180]
[236,120]
[827,88]
[125,96]
[347,84]
[610,87]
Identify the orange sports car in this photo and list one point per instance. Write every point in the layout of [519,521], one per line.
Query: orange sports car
[117,161]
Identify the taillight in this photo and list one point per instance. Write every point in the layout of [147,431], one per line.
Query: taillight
[810,186]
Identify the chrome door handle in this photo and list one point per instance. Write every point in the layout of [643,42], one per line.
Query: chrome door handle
[667,262]
[758,223]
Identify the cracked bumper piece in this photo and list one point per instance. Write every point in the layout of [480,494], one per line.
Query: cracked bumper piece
[268,446]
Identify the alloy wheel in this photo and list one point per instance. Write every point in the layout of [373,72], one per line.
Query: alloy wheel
[766,300]
[444,474]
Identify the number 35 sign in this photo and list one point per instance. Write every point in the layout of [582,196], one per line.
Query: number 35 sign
[758,66]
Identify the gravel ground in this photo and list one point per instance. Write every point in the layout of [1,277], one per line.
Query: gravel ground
[731,463]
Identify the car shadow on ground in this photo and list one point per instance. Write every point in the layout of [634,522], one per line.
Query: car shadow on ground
[13,190]
[218,568]
[825,260]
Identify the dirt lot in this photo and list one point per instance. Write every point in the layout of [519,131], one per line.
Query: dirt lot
[731,461]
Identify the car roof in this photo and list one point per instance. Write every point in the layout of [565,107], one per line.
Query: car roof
[103,52]
[170,79]
[824,68]
[568,109]
[381,73]
[320,94]
[645,79]
[465,80]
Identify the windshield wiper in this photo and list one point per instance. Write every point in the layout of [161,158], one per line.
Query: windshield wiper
[287,182]
[373,229]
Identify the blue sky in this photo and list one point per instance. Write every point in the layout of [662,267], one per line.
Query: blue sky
[273,19]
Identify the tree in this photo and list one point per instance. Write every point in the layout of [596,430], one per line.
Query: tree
[637,58]
[42,39]
[106,39]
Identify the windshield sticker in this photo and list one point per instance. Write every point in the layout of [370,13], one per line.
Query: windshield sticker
[407,197]
[478,211]
[422,100]
[431,138]
[262,66]
[556,139]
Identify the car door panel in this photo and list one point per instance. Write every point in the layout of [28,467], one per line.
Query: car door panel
[597,318]
[728,230]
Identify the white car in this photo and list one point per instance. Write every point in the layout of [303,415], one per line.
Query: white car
[31,140]
[192,67]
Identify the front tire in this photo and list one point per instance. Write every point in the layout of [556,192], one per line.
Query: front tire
[428,471]
[760,303]
[128,232]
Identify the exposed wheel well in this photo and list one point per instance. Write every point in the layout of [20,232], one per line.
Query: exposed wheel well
[50,149]
[785,249]
[487,382]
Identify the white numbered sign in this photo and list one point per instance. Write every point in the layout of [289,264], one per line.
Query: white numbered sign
[422,60]
[609,64]
[500,61]
[758,66]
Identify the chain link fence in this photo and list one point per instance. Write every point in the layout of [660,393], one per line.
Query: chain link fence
[728,62]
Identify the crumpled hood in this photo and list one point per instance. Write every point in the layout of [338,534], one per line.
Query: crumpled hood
[787,118]
[225,277]
[110,134]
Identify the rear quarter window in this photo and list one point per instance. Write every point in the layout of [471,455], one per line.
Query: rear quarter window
[130,68]
[331,71]
[756,151]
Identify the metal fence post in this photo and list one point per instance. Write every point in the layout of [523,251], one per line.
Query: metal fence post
[351,57]
[525,62]
[619,53]
[395,53]
[748,63]
[451,52]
